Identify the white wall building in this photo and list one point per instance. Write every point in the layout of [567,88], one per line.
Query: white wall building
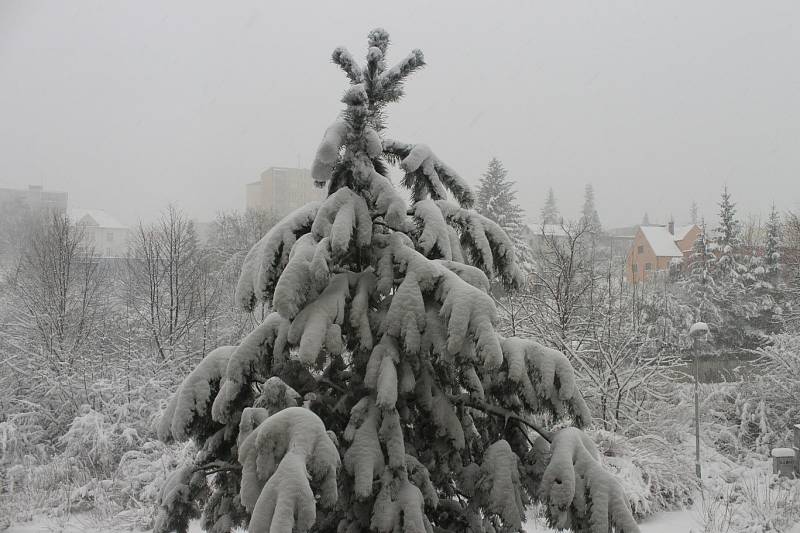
[102,231]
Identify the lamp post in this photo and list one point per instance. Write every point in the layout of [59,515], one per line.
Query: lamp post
[699,330]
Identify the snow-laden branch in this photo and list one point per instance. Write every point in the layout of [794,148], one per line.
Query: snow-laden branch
[426,175]
[281,459]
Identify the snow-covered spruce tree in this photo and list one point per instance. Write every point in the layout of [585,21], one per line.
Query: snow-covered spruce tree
[589,214]
[728,237]
[497,201]
[737,295]
[416,413]
[765,290]
[772,254]
[549,213]
[700,289]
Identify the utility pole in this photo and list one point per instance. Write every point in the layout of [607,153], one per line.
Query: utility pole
[699,330]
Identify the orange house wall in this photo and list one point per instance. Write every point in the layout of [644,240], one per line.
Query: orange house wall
[640,259]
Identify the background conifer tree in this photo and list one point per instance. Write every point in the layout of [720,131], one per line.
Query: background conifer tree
[549,213]
[589,214]
[700,288]
[727,238]
[772,254]
[765,288]
[497,201]
[416,413]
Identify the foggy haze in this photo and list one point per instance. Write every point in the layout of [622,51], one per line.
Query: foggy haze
[131,106]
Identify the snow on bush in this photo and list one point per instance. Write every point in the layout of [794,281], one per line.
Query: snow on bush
[654,472]
[93,440]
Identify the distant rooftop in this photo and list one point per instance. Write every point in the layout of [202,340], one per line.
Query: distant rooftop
[625,232]
[94,217]
[547,229]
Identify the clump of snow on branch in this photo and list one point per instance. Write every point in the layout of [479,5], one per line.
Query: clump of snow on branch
[364,458]
[298,282]
[276,396]
[490,249]
[434,236]
[192,402]
[342,215]
[546,377]
[278,458]
[265,262]
[388,203]
[256,357]
[498,487]
[319,323]
[466,311]
[177,499]
[578,490]
[328,151]
[426,175]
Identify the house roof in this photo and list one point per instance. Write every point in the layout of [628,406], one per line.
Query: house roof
[681,231]
[626,232]
[661,241]
[94,217]
[547,229]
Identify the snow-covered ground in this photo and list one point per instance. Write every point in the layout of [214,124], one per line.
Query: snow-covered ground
[720,475]
[671,522]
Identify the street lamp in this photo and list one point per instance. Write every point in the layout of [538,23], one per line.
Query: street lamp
[699,330]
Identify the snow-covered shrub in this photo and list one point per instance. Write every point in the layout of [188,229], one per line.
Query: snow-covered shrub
[759,502]
[756,414]
[14,443]
[91,439]
[654,471]
[142,471]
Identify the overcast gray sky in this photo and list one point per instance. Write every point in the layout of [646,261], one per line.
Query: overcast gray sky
[131,105]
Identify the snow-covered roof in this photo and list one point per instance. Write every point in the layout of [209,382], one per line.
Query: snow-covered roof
[626,232]
[782,452]
[661,241]
[547,229]
[681,231]
[94,217]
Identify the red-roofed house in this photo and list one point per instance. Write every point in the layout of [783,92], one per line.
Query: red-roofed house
[655,247]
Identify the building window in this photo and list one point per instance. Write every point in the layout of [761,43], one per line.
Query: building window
[648,266]
[640,249]
[635,267]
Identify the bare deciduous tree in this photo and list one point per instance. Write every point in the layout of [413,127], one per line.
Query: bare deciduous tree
[171,288]
[58,284]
